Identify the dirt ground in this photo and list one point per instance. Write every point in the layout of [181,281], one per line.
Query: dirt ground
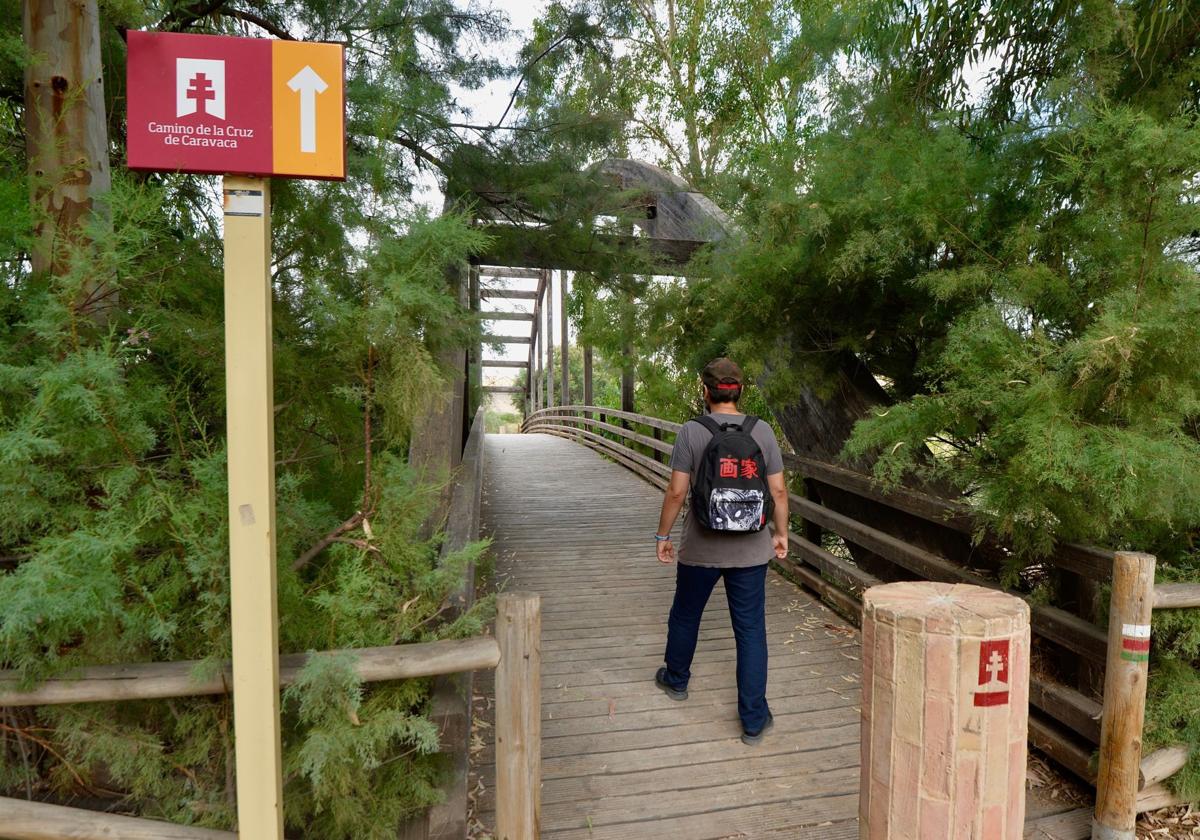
[1181,821]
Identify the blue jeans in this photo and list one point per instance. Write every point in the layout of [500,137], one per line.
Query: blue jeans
[746,592]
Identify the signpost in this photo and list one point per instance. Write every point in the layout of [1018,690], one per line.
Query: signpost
[245,108]
[211,104]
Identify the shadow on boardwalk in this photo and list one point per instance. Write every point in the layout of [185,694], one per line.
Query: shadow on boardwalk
[620,759]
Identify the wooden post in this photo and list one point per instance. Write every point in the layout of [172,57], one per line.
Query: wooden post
[566,373]
[475,358]
[519,716]
[250,419]
[812,531]
[539,328]
[529,373]
[628,362]
[541,384]
[1129,610]
[658,455]
[550,339]
[587,376]
[536,373]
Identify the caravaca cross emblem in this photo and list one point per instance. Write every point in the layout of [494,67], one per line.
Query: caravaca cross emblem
[993,674]
[201,90]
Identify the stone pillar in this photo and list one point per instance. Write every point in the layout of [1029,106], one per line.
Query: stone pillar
[945,711]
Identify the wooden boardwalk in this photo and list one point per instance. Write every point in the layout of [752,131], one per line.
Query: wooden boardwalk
[620,759]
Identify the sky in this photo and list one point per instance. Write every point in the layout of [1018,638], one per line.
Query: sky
[486,105]
[488,102]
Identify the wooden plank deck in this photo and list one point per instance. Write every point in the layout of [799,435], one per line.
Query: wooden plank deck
[620,759]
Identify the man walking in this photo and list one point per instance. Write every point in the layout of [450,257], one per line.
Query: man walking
[733,469]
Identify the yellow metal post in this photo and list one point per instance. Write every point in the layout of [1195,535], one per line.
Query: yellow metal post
[251,451]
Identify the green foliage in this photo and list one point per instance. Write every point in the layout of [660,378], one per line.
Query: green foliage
[495,421]
[1173,716]
[113,533]
[1067,389]
[113,473]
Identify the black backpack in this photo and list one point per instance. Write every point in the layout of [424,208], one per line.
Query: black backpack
[730,493]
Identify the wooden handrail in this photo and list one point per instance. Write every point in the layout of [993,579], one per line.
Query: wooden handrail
[23,820]
[1093,562]
[1086,560]
[160,680]
[1169,596]
[653,422]
[651,442]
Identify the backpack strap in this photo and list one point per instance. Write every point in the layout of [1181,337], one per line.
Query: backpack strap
[709,423]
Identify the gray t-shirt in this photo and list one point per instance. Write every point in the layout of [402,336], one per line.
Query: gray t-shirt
[701,546]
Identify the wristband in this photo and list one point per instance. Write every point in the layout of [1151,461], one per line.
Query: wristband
[657,538]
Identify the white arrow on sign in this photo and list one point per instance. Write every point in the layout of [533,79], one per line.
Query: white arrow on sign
[308,84]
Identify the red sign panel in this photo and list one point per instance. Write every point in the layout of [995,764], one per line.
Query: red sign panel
[993,673]
[194,106]
[210,104]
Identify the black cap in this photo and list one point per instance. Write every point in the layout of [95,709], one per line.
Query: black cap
[721,371]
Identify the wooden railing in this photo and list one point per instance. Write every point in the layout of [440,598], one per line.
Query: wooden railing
[1065,722]
[514,651]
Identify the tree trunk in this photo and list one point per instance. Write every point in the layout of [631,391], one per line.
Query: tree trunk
[819,426]
[437,436]
[66,137]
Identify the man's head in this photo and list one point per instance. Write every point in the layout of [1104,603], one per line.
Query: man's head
[722,380]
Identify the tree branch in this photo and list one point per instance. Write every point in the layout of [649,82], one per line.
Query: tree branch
[420,151]
[525,74]
[327,540]
[261,22]
[182,17]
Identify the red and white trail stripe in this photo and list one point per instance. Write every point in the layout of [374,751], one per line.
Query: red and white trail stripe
[1135,642]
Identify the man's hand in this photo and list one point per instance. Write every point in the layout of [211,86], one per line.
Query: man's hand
[780,542]
[666,552]
[673,499]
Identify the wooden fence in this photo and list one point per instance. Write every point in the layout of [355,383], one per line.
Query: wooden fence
[514,651]
[1067,722]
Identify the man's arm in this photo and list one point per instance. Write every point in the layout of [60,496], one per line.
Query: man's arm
[779,493]
[677,491]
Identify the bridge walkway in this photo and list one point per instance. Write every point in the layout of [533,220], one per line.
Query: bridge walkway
[620,760]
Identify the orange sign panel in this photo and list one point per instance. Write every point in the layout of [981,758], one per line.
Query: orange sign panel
[307,101]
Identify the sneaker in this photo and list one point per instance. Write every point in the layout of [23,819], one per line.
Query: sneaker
[756,738]
[673,693]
